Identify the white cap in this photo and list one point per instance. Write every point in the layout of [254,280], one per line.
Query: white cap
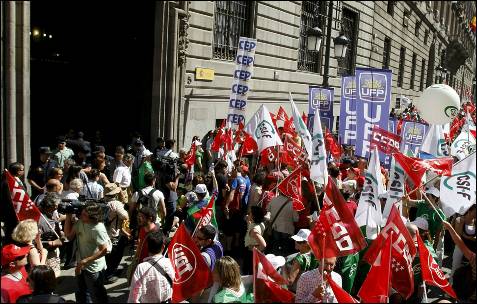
[200,189]
[421,223]
[276,260]
[146,153]
[434,191]
[302,235]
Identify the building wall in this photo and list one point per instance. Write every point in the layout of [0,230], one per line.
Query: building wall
[275,68]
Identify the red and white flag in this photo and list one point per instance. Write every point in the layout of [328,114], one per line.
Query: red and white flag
[190,156]
[416,167]
[22,204]
[402,254]
[267,282]
[191,272]
[337,224]
[262,130]
[386,142]
[340,294]
[291,187]
[375,288]
[332,145]
[282,115]
[293,154]
[430,271]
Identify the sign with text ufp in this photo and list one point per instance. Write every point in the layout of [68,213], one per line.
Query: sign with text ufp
[241,81]
[347,130]
[372,106]
[320,98]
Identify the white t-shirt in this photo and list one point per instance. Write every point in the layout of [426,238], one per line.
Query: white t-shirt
[157,196]
[122,176]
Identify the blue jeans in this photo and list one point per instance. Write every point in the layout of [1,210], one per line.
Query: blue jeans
[91,287]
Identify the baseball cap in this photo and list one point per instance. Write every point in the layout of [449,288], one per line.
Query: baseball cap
[11,252]
[276,260]
[421,223]
[146,153]
[434,191]
[200,189]
[302,235]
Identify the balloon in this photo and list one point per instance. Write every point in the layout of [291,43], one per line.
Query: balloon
[438,104]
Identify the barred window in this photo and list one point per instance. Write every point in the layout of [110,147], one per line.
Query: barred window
[350,28]
[413,70]
[313,14]
[386,52]
[390,8]
[423,68]
[232,19]
[402,60]
[418,27]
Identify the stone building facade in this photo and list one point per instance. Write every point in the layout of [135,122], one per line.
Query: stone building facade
[412,38]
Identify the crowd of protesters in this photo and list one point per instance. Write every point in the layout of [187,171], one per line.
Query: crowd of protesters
[137,198]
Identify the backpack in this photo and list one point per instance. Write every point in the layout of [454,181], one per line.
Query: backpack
[147,200]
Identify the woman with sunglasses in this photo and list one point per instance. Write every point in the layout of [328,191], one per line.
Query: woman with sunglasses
[14,276]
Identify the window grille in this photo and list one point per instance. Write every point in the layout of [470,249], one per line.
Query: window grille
[413,70]
[232,20]
[313,14]
[349,27]
[423,68]
[402,60]
[417,29]
[386,52]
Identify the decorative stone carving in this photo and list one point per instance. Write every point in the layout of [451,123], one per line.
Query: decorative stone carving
[183,38]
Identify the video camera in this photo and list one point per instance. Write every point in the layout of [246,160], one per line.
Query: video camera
[167,167]
[72,206]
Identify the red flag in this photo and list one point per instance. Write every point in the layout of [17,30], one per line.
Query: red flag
[342,233]
[431,273]
[227,139]
[289,127]
[291,187]
[249,146]
[239,134]
[266,281]
[191,272]
[190,157]
[293,154]
[205,212]
[340,294]
[268,156]
[403,252]
[22,204]
[305,118]
[332,145]
[375,288]
[455,126]
[387,142]
[282,115]
[416,167]
[218,139]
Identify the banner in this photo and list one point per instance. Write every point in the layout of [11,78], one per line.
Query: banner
[463,145]
[300,128]
[385,141]
[318,165]
[412,134]
[241,82]
[322,99]
[347,129]
[395,189]
[372,105]
[24,207]
[262,130]
[458,191]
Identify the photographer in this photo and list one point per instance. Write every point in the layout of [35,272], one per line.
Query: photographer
[91,263]
[49,227]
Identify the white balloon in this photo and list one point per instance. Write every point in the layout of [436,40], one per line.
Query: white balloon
[438,104]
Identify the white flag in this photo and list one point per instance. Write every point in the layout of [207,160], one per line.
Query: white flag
[435,143]
[457,192]
[395,189]
[319,168]
[301,128]
[369,207]
[261,128]
[463,145]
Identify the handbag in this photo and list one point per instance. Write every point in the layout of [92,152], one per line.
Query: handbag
[267,234]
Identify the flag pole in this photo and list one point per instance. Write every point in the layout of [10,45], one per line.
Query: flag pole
[316,196]
[424,300]
[323,260]
[432,205]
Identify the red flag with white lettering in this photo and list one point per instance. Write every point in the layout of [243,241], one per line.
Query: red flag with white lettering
[387,142]
[249,146]
[332,145]
[22,204]
[291,187]
[282,115]
[430,271]
[293,154]
[342,233]
[191,272]
[416,167]
[375,288]
[266,281]
[403,252]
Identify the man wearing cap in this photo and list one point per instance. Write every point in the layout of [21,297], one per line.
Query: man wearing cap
[118,234]
[14,276]
[62,152]
[201,202]
[303,261]
[39,170]
[433,218]
[145,167]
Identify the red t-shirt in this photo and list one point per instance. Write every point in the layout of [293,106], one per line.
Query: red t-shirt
[12,290]
[145,250]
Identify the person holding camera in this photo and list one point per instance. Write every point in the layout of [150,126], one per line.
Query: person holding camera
[90,270]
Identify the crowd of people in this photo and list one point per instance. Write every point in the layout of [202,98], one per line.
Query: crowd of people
[98,208]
